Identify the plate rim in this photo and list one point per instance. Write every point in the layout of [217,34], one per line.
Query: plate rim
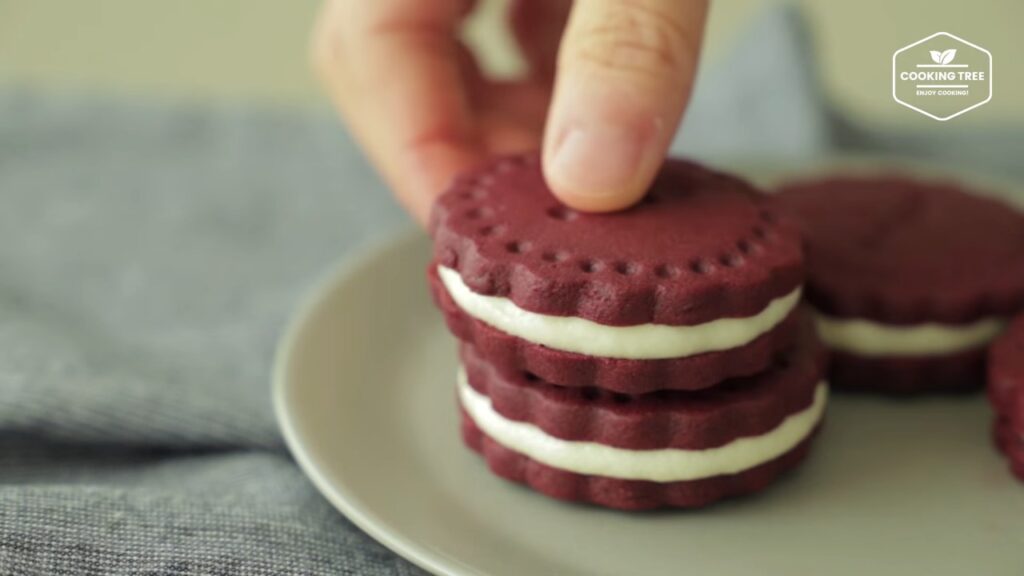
[342,499]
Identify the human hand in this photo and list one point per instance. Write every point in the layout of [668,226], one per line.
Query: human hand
[607,85]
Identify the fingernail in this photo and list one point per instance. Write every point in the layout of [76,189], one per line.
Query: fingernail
[597,160]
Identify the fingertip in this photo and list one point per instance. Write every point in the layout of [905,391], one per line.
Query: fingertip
[601,167]
[427,168]
[422,209]
[591,199]
[592,203]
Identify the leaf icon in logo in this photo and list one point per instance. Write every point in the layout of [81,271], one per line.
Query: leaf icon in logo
[936,56]
[948,56]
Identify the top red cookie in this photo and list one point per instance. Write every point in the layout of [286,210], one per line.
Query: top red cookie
[904,251]
[702,245]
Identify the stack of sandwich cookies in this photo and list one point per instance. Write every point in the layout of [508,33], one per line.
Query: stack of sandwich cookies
[654,357]
[1006,392]
[911,280]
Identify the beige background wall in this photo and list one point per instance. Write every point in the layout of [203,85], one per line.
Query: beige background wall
[255,50]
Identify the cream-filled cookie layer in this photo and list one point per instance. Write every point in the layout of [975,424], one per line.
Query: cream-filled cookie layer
[639,342]
[869,338]
[661,465]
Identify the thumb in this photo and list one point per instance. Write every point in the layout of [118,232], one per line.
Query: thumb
[625,71]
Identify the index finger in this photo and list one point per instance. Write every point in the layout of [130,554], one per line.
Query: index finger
[393,70]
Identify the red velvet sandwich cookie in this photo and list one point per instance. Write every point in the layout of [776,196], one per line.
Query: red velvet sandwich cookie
[911,279]
[666,448]
[1006,392]
[696,284]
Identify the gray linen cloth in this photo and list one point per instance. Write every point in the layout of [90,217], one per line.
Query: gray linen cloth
[149,257]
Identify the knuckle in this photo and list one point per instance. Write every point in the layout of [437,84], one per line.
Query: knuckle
[632,38]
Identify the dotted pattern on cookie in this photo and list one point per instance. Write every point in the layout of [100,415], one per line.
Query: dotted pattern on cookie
[697,233]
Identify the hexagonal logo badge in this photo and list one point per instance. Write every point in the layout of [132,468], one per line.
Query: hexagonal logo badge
[942,76]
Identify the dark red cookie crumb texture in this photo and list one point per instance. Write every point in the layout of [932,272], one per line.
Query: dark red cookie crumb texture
[625,494]
[702,245]
[1006,393]
[687,420]
[904,251]
[513,355]
[956,373]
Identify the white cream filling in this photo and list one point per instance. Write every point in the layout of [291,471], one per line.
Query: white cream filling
[640,342]
[868,338]
[661,465]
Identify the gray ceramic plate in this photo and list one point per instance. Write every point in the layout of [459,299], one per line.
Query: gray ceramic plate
[364,393]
